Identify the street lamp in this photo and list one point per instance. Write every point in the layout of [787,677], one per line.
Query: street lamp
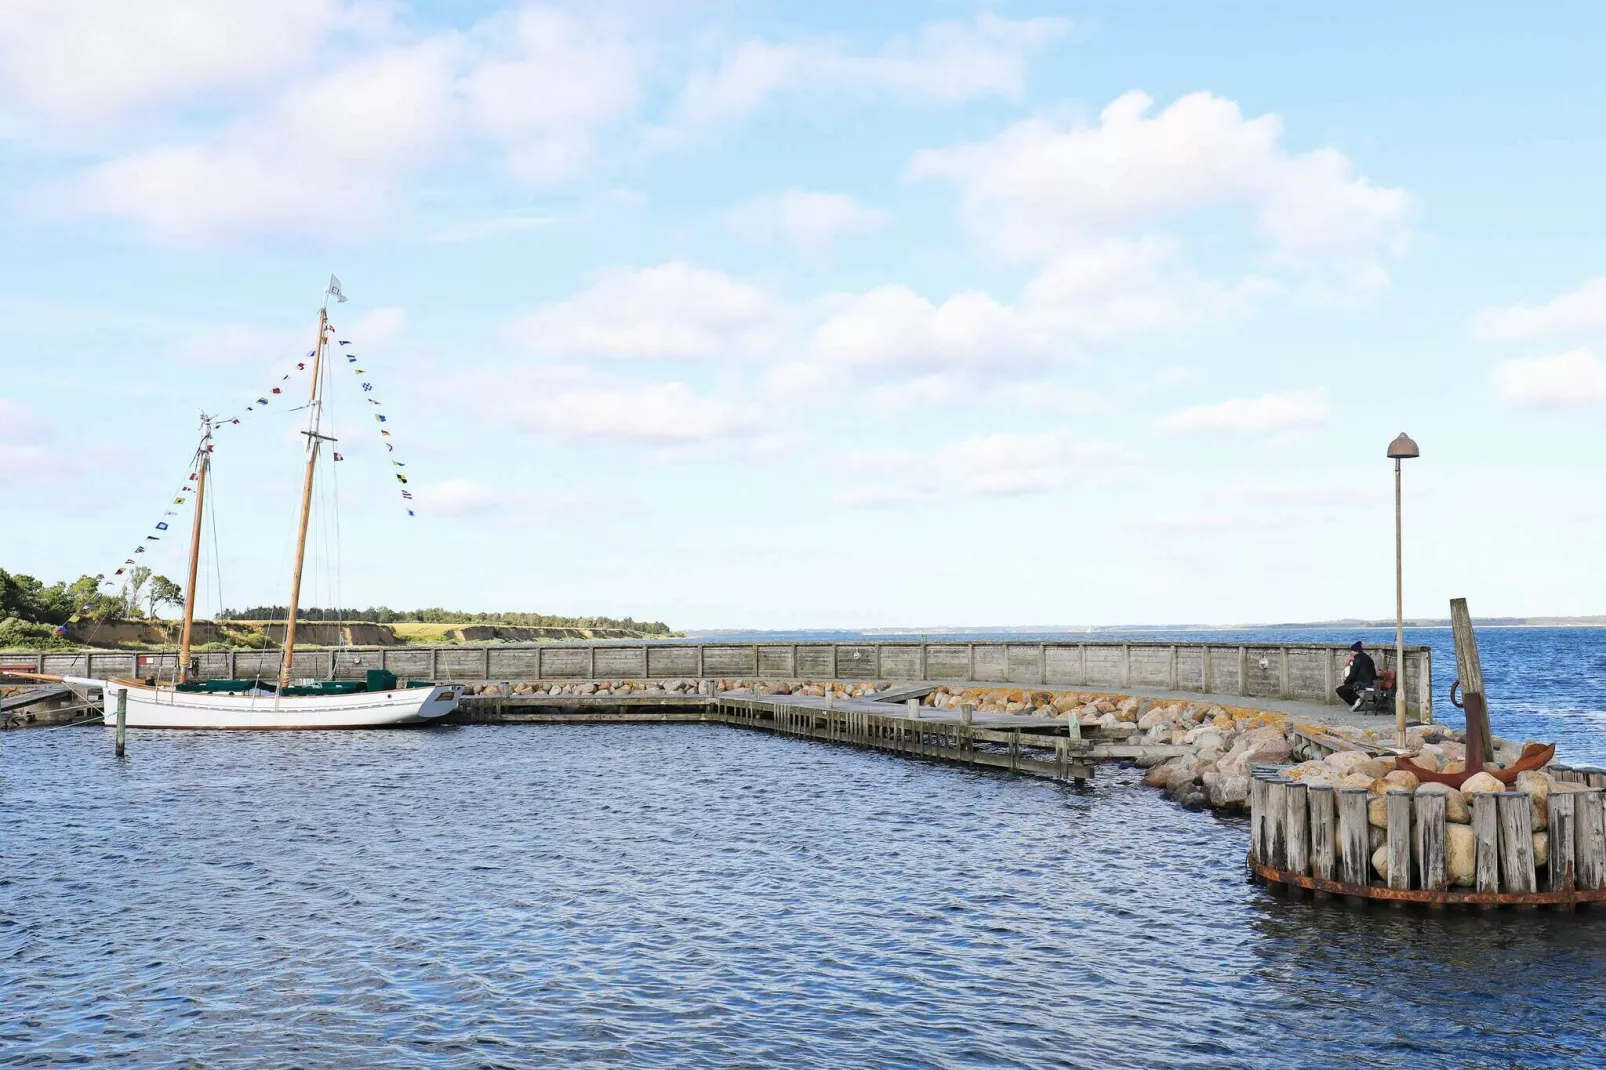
[1402,448]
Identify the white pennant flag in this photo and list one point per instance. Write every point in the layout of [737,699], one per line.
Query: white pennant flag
[334,290]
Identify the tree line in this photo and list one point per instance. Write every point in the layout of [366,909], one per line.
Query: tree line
[31,610]
[437,615]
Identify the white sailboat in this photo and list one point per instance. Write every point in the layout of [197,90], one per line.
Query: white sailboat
[378,700]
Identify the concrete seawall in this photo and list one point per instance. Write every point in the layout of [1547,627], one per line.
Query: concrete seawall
[1289,671]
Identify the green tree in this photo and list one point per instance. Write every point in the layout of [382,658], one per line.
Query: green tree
[133,589]
[163,592]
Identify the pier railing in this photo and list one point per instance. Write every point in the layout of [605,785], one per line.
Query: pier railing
[1255,670]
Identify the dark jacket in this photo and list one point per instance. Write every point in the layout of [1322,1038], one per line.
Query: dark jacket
[1362,671]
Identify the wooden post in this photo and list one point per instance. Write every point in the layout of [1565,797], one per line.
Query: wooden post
[1399,839]
[1589,814]
[1516,842]
[1355,860]
[1171,673]
[1430,842]
[1329,695]
[1276,823]
[1014,751]
[1073,725]
[970,662]
[1563,863]
[122,719]
[1257,818]
[966,713]
[1424,687]
[1486,834]
[1470,670]
[1297,835]
[1323,821]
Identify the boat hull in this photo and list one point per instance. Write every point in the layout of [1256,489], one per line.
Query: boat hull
[151,707]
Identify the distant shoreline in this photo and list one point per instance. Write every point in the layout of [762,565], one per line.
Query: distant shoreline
[1145,629]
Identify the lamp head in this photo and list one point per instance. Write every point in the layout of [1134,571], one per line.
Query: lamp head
[1403,448]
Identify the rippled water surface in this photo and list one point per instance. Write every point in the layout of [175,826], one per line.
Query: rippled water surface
[703,896]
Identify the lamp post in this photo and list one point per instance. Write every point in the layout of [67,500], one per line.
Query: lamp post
[1402,448]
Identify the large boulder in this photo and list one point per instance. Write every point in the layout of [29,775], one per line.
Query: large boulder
[1356,780]
[1229,792]
[1350,761]
[1377,811]
[1541,848]
[1401,778]
[1158,715]
[1482,784]
[1461,854]
[1156,776]
[1380,861]
[1456,810]
[1538,786]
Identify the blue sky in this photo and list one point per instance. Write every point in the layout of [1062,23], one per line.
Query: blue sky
[777,315]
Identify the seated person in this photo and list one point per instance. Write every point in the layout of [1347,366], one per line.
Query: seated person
[1361,675]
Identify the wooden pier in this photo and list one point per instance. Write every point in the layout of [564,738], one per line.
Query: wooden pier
[893,722]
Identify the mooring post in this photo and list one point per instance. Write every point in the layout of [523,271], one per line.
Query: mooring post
[966,712]
[122,719]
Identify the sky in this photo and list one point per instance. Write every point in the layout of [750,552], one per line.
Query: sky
[762,315]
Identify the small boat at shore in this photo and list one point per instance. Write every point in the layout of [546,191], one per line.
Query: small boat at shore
[378,700]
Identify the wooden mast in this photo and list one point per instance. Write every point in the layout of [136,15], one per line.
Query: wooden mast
[205,454]
[314,440]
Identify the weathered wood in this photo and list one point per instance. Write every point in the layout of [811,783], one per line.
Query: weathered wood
[1515,811]
[1399,839]
[1589,841]
[1430,842]
[1354,854]
[122,720]
[1563,867]
[1297,829]
[1323,831]
[1486,834]
[1277,824]
[1469,669]
[1257,819]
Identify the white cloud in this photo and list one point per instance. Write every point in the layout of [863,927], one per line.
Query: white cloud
[1576,377]
[1583,309]
[326,155]
[1037,189]
[994,465]
[84,60]
[321,160]
[1122,286]
[672,311]
[550,82]
[572,405]
[894,327]
[811,220]
[950,61]
[1266,413]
